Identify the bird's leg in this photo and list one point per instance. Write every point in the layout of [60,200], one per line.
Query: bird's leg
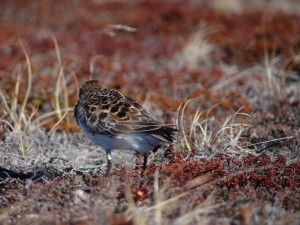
[145,160]
[109,164]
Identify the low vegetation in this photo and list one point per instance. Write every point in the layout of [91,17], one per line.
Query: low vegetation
[226,74]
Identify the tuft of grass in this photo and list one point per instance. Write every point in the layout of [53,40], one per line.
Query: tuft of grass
[205,136]
[25,146]
[17,117]
[60,86]
[16,113]
[197,47]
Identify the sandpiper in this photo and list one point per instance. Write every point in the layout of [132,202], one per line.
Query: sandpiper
[115,122]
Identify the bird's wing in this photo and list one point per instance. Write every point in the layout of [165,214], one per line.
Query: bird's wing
[115,114]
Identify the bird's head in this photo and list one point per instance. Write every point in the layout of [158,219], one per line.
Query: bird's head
[91,85]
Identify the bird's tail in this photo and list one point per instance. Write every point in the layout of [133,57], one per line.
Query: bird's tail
[165,133]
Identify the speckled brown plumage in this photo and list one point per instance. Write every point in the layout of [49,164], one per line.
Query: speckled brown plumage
[115,121]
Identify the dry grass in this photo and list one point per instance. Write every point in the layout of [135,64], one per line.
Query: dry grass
[197,48]
[210,176]
[200,135]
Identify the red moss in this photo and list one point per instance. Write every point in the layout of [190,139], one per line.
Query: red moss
[249,173]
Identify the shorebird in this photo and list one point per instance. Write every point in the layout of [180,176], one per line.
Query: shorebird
[115,122]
